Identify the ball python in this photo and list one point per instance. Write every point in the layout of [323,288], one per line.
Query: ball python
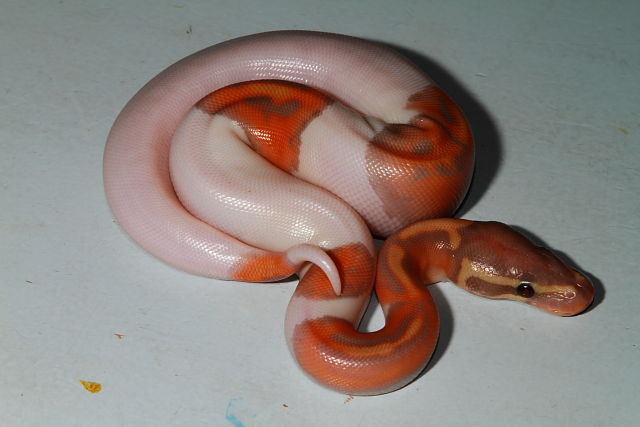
[282,153]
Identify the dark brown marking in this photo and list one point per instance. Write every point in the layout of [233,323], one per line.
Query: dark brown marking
[486,289]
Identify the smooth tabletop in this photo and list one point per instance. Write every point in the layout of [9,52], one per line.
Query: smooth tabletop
[551,90]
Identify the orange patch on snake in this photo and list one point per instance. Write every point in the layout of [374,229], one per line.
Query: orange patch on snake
[272,113]
[430,160]
[433,103]
[336,355]
[263,268]
[355,264]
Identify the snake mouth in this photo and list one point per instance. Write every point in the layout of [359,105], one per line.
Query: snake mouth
[585,293]
[569,302]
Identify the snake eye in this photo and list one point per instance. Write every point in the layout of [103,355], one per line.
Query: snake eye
[525,290]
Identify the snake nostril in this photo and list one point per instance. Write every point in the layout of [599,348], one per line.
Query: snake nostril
[525,290]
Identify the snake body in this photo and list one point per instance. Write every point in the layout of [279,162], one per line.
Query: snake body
[281,153]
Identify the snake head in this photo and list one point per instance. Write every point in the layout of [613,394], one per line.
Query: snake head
[499,262]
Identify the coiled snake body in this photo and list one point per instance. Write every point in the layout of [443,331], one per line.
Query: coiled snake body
[276,153]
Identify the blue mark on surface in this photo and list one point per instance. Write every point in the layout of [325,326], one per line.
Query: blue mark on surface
[230,413]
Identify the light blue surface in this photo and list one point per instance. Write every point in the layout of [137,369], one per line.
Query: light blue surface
[552,91]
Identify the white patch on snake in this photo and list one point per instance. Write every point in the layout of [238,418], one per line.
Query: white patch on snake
[333,155]
[223,182]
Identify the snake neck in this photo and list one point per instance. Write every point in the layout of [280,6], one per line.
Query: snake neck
[424,253]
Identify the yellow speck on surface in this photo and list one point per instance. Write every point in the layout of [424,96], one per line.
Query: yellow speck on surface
[623,130]
[119,336]
[91,387]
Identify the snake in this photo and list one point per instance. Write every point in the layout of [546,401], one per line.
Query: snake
[288,152]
